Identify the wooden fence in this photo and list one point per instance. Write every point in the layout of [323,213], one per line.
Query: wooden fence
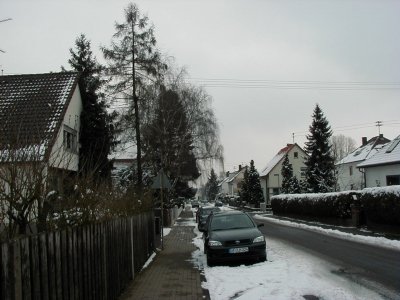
[89,262]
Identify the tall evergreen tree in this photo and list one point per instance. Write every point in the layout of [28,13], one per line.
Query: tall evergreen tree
[254,186]
[96,135]
[168,143]
[290,184]
[212,186]
[133,59]
[287,175]
[244,190]
[320,162]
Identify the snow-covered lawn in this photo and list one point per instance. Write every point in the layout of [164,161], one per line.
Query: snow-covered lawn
[289,273]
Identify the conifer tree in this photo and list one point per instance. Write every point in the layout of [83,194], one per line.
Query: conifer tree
[212,186]
[254,186]
[132,61]
[287,175]
[96,134]
[244,191]
[290,184]
[168,142]
[320,162]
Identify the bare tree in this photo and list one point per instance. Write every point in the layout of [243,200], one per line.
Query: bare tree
[342,146]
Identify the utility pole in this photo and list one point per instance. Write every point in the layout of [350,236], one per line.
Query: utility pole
[293,137]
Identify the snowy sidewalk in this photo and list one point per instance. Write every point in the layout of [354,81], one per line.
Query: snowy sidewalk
[171,275]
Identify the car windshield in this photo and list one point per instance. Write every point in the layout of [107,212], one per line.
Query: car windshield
[231,222]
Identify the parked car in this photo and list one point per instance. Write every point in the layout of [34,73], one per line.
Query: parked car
[233,235]
[202,215]
[195,204]
[218,204]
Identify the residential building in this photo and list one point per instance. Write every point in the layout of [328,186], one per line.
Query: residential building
[383,168]
[232,183]
[271,177]
[40,125]
[349,176]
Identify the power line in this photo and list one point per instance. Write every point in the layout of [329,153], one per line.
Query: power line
[295,84]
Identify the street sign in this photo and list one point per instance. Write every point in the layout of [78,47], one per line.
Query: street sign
[161,181]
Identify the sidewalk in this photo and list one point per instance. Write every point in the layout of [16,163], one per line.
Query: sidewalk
[171,275]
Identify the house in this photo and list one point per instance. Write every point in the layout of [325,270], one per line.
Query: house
[270,176]
[40,123]
[383,168]
[232,183]
[349,177]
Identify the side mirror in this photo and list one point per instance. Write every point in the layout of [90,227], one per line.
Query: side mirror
[260,225]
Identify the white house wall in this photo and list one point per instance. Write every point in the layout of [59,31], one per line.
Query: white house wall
[376,176]
[59,157]
[348,182]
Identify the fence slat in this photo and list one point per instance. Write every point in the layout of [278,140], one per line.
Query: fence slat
[6,280]
[25,269]
[43,266]
[35,267]
[64,265]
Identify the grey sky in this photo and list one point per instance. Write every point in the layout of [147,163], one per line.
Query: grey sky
[278,42]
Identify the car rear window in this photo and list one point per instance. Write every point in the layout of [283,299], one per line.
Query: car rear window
[231,222]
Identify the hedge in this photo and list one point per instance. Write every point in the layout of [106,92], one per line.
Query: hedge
[330,205]
[382,205]
[379,205]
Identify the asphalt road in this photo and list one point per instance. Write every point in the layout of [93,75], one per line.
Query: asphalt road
[368,265]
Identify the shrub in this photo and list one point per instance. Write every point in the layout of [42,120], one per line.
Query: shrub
[330,205]
[382,205]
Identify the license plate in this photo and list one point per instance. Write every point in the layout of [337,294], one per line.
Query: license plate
[239,250]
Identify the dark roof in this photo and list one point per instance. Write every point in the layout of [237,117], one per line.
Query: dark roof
[32,108]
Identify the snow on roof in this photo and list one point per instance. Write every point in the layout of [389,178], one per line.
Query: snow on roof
[277,158]
[365,151]
[32,108]
[388,154]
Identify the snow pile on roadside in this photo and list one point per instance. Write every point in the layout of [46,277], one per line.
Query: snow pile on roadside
[371,240]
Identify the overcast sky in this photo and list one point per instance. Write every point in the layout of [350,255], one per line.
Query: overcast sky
[265,63]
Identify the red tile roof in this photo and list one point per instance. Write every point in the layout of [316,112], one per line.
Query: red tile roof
[32,108]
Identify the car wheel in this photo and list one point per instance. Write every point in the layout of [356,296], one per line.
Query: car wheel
[263,258]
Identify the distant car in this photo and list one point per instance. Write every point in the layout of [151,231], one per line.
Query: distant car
[233,235]
[195,204]
[218,204]
[202,215]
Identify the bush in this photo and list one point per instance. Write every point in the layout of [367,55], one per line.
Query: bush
[382,205]
[329,205]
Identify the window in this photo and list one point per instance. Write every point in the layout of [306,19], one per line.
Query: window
[352,186]
[296,154]
[69,139]
[393,180]
[275,191]
[303,171]
[351,170]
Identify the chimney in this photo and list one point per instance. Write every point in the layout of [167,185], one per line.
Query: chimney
[227,174]
[381,135]
[364,140]
[240,167]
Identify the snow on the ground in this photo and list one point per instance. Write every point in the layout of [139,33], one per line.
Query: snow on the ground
[288,274]
[148,262]
[166,231]
[371,240]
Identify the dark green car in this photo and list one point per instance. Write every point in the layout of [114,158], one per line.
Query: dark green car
[233,236]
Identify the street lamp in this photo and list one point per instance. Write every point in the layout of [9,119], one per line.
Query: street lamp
[278,183]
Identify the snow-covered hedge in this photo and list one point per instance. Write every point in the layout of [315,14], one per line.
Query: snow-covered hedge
[330,205]
[382,205]
[379,205]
